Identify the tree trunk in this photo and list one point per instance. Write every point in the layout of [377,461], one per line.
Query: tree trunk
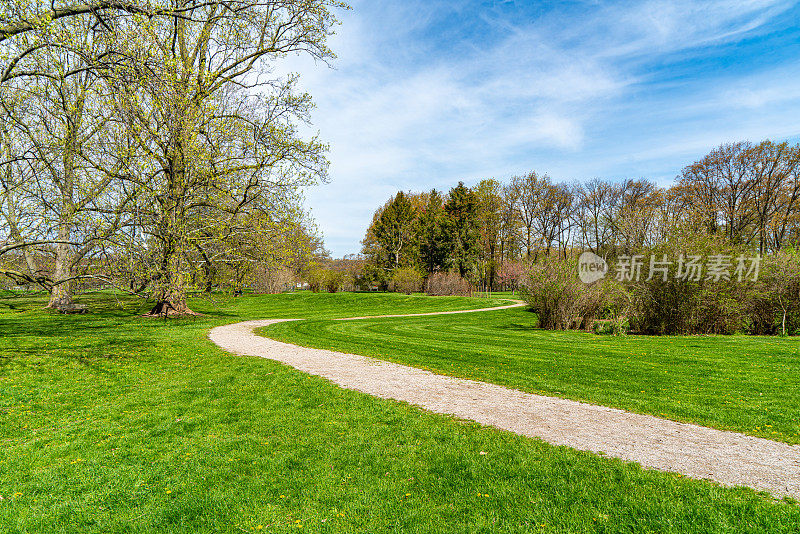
[171,303]
[528,243]
[170,290]
[61,297]
[61,294]
[783,323]
[166,307]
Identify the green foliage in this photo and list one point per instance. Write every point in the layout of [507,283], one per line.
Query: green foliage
[315,278]
[406,280]
[321,278]
[171,143]
[434,245]
[424,232]
[462,211]
[395,231]
[335,280]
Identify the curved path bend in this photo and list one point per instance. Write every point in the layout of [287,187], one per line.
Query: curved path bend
[730,458]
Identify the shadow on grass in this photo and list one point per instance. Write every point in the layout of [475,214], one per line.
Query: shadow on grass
[90,356]
[517,327]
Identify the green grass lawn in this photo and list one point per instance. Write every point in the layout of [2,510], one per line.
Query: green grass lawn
[743,383]
[114,423]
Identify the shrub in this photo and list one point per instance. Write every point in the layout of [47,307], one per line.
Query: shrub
[775,300]
[683,306]
[331,280]
[405,280]
[613,327]
[272,280]
[440,284]
[335,280]
[316,279]
[552,290]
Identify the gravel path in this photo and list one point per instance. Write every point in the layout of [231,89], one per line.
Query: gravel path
[699,452]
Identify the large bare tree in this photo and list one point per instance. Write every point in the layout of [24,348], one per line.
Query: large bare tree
[63,123]
[216,135]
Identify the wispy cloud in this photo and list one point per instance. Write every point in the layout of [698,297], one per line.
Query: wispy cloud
[426,93]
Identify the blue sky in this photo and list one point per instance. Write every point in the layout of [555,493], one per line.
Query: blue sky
[426,93]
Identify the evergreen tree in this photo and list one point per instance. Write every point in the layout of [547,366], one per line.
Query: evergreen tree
[462,211]
[395,232]
[434,244]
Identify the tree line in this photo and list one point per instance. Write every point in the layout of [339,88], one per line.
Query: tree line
[744,193]
[147,144]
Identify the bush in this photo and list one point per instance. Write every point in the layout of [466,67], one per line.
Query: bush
[441,284]
[335,280]
[405,280]
[775,300]
[682,306]
[561,301]
[611,327]
[272,280]
[331,280]
[316,279]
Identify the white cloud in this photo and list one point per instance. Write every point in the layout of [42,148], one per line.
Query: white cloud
[560,94]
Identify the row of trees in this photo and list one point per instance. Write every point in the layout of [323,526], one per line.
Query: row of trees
[146,143]
[747,194]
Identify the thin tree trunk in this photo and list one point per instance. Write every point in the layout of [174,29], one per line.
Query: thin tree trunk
[783,323]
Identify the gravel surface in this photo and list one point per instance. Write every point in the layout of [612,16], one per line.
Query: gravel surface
[699,452]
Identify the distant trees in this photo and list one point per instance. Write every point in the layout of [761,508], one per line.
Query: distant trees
[395,231]
[461,209]
[747,193]
[741,195]
[434,242]
[489,224]
[511,274]
[425,232]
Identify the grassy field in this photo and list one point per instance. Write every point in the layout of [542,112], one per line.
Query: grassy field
[743,383]
[114,423]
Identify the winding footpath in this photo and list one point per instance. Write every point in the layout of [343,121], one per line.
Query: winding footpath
[730,458]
